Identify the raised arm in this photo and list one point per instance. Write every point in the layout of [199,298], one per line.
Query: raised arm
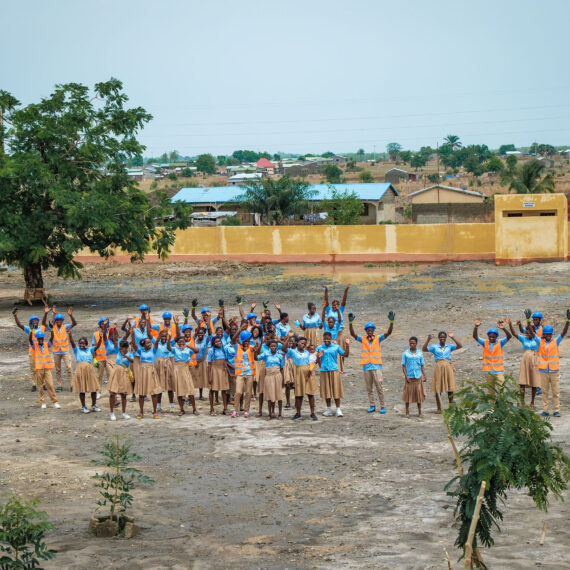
[345,296]
[46,313]
[452,337]
[325,305]
[71,341]
[478,323]
[510,323]
[565,329]
[16,319]
[73,321]
[240,306]
[391,318]
[350,327]
[501,325]
[326,299]
[194,305]
[425,346]
[346,348]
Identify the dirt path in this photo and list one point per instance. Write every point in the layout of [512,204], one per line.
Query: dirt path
[363,491]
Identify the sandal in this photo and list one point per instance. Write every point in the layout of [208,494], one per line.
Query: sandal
[181,413]
[212,413]
[139,417]
[258,415]
[196,412]
[156,417]
[279,417]
[268,418]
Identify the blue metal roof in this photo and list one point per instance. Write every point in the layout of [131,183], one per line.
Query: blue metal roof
[221,194]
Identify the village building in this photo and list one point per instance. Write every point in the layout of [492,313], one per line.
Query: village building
[396,175]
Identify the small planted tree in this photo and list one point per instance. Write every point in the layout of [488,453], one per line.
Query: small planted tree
[116,484]
[22,533]
[506,447]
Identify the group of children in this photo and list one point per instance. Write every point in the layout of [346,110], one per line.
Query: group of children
[260,357]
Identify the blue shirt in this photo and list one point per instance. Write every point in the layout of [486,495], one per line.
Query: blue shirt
[271,360]
[28,330]
[441,353]
[183,355]
[311,322]
[84,355]
[529,343]
[413,361]
[282,329]
[329,360]
[226,339]
[330,312]
[265,348]
[223,353]
[139,335]
[299,358]
[146,356]
[371,366]
[203,346]
[334,330]
[121,360]
[162,350]
[111,348]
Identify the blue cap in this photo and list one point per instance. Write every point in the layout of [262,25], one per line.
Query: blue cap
[252,316]
[144,307]
[490,331]
[40,334]
[166,315]
[369,325]
[244,335]
[34,318]
[185,328]
[206,310]
[58,317]
[102,320]
[537,315]
[547,329]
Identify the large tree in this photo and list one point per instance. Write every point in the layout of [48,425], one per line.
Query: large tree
[206,163]
[393,149]
[528,179]
[342,207]
[332,173]
[64,187]
[276,200]
[453,141]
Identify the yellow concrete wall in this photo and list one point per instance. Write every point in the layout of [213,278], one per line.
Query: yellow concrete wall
[445,197]
[531,236]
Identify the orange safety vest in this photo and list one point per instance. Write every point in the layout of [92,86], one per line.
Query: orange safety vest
[42,358]
[493,359]
[171,329]
[209,328]
[371,352]
[153,332]
[548,356]
[193,360]
[538,331]
[60,339]
[239,367]
[101,352]
[41,328]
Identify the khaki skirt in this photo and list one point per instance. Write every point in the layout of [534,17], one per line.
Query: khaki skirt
[260,371]
[443,377]
[165,373]
[289,371]
[183,384]
[331,385]
[414,391]
[119,381]
[84,379]
[200,374]
[529,375]
[136,367]
[147,382]
[305,381]
[273,384]
[312,336]
[219,375]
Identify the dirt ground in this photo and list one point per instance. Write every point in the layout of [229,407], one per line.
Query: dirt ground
[362,491]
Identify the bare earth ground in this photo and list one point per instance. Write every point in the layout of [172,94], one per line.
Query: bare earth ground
[363,491]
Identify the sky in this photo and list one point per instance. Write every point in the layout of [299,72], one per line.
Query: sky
[305,76]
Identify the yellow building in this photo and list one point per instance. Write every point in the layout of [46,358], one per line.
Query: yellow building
[439,194]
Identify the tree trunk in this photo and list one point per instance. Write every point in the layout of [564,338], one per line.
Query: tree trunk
[35,291]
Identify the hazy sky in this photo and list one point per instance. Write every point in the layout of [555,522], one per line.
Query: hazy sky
[306,76]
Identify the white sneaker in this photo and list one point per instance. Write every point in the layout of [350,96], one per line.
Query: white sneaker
[158,407]
[328,413]
[126,417]
[112,417]
[44,406]
[338,413]
[85,410]
[95,408]
[171,406]
[56,406]
[98,395]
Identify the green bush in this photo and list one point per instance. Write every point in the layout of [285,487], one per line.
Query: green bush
[365,176]
[231,221]
[172,176]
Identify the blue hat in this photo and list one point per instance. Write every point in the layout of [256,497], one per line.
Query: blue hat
[144,307]
[206,310]
[490,331]
[185,328]
[369,325]
[102,320]
[34,318]
[166,315]
[58,317]
[244,335]
[252,316]
[40,334]
[547,329]
[536,315]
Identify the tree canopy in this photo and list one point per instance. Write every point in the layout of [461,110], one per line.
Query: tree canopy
[393,149]
[528,179]
[64,187]
[342,208]
[332,173]
[206,163]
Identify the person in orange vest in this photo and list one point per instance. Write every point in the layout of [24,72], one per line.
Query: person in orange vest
[32,327]
[371,360]
[100,354]
[244,363]
[549,367]
[493,363]
[537,322]
[60,348]
[205,319]
[44,365]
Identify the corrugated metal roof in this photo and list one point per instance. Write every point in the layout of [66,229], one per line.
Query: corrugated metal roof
[221,194]
[451,188]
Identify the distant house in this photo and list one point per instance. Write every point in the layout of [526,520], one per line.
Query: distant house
[244,178]
[297,169]
[135,173]
[379,200]
[396,175]
[208,219]
[265,167]
[548,162]
[439,194]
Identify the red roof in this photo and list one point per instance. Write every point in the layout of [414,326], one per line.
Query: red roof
[264,163]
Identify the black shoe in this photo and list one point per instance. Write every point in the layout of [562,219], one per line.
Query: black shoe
[297,417]
[45,387]
[314,417]
[59,389]
[34,388]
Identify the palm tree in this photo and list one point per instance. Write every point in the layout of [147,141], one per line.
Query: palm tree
[453,142]
[527,179]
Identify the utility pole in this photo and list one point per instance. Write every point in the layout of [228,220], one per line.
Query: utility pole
[437,152]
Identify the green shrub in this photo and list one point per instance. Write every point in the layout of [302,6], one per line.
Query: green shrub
[231,221]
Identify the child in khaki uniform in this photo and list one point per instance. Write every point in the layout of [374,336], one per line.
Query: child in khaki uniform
[43,366]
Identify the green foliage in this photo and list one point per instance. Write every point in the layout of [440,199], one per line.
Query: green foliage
[172,176]
[418,160]
[221,159]
[504,148]
[393,149]
[231,221]
[327,154]
[22,533]
[206,163]
[64,187]
[453,142]
[276,199]
[342,208]
[408,211]
[505,445]
[332,173]
[528,179]
[542,149]
[365,176]
[433,177]
[249,155]
[405,156]
[186,172]
[386,223]
[494,164]
[351,165]
[116,484]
